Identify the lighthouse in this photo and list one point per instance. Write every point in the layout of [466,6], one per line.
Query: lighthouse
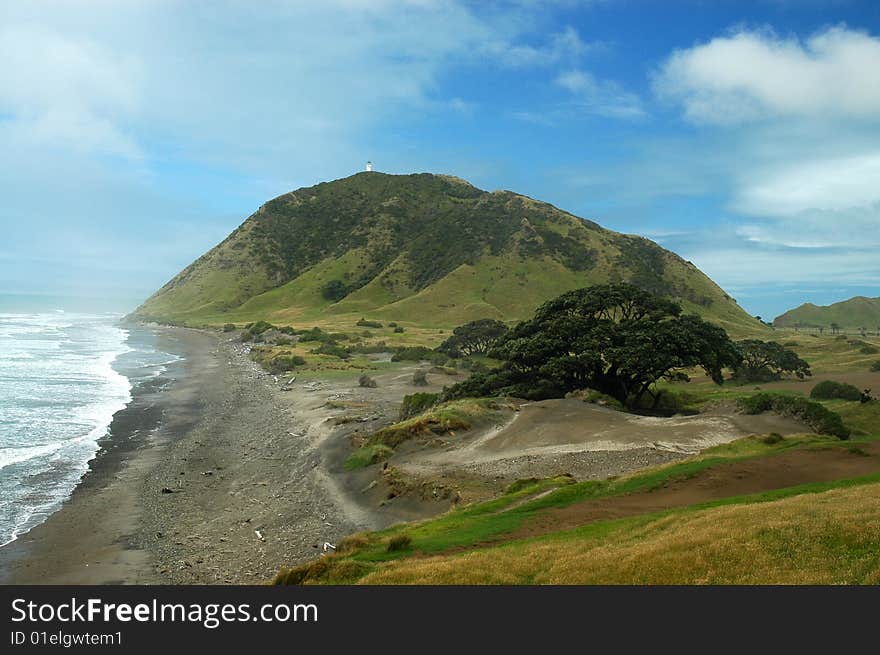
[369,167]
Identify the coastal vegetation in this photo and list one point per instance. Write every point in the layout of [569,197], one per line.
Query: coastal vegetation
[616,339]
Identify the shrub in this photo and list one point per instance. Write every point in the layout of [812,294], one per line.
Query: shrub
[817,416]
[287,329]
[868,349]
[399,542]
[368,348]
[259,327]
[772,438]
[315,334]
[367,456]
[229,327]
[367,382]
[282,363]
[392,324]
[420,378]
[283,341]
[438,359]
[830,390]
[333,349]
[416,403]
[875,366]
[411,354]
[334,290]
[790,344]
[370,324]
[398,330]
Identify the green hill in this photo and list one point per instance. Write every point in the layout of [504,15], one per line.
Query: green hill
[858,312]
[422,249]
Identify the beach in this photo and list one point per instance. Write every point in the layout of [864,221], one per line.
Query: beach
[199,482]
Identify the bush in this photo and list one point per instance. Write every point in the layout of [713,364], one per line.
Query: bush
[370,324]
[398,330]
[416,403]
[333,349]
[392,324]
[367,456]
[367,382]
[315,334]
[411,354]
[283,341]
[259,327]
[773,438]
[229,327]
[399,542]
[869,350]
[283,363]
[818,417]
[369,348]
[334,290]
[420,378]
[830,390]
[875,366]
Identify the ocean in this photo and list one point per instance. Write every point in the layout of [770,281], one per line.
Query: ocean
[63,376]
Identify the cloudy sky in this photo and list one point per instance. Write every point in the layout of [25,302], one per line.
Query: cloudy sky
[135,134]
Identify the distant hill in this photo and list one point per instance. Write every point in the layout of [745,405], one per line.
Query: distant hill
[858,312]
[423,249]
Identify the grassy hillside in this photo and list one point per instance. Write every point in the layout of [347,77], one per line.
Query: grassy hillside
[855,313]
[423,249]
[800,509]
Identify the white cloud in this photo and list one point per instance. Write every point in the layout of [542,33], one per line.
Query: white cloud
[64,91]
[829,185]
[752,75]
[564,46]
[600,97]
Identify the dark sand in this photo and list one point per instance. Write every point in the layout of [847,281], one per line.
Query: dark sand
[215,437]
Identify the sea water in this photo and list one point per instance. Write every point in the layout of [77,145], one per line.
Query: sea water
[62,378]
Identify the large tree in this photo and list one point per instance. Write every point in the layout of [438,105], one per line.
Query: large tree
[616,339]
[768,360]
[474,338]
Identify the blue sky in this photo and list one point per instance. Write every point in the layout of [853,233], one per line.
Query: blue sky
[744,136]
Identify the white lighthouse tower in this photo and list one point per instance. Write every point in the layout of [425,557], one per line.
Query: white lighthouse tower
[369,167]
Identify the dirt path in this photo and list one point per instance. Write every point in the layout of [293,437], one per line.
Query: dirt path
[733,479]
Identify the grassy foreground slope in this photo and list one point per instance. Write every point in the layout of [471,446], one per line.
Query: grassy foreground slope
[855,313]
[421,249]
[763,509]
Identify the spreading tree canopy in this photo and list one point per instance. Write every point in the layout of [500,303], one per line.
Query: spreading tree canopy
[614,338]
[768,360]
[474,338]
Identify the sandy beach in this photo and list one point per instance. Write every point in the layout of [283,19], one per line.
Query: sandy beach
[202,482]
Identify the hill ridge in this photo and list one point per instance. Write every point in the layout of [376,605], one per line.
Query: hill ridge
[856,312]
[419,248]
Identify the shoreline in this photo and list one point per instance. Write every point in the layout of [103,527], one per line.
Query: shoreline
[89,540]
[203,478]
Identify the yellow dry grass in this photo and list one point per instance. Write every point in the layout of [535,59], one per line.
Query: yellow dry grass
[827,538]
